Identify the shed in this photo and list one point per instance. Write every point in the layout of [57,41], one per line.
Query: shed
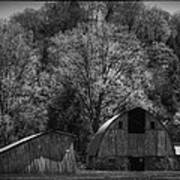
[45,152]
[133,140]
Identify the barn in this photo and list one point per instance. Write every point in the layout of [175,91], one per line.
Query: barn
[133,140]
[45,152]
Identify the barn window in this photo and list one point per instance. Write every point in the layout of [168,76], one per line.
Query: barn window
[152,125]
[136,121]
[120,126]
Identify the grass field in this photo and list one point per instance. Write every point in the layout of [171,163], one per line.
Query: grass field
[100,175]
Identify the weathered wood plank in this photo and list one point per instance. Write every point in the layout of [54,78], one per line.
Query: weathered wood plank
[41,154]
[161,144]
[153,145]
[150,143]
[122,143]
[136,144]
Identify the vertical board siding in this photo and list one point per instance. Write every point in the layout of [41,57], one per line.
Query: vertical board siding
[51,152]
[153,143]
[43,164]
[116,146]
[161,143]
[136,145]
[122,143]
[150,143]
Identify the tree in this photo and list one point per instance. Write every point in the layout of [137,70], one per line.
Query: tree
[15,55]
[23,96]
[125,13]
[105,67]
[174,39]
[62,16]
[165,68]
[46,22]
[50,19]
[174,127]
[64,113]
[153,25]
[15,62]
[63,109]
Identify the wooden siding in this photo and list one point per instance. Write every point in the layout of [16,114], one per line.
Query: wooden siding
[136,145]
[161,143]
[150,144]
[49,153]
[149,119]
[122,145]
[154,142]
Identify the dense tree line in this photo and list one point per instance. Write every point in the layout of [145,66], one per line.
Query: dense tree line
[71,65]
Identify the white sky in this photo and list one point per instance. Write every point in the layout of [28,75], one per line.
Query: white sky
[170,6]
[7,8]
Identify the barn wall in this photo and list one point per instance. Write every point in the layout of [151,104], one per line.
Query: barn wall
[161,163]
[111,163]
[47,153]
[118,145]
[119,142]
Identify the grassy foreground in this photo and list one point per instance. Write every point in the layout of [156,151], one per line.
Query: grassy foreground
[99,175]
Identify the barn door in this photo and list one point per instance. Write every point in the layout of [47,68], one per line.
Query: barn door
[136,121]
[136,163]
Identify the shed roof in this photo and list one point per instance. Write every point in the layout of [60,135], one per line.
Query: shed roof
[31,137]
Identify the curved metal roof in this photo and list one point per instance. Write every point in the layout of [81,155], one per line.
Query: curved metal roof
[97,139]
[31,137]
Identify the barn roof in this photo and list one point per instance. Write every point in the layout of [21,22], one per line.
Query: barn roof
[31,137]
[97,139]
[95,142]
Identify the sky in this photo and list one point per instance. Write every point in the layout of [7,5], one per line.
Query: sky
[170,6]
[7,8]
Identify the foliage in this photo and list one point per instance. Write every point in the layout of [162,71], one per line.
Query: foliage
[72,65]
[174,39]
[15,97]
[125,13]
[46,22]
[50,19]
[103,65]
[64,112]
[23,93]
[62,16]
[152,25]
[165,68]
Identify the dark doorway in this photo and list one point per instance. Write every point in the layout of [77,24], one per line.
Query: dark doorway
[136,121]
[136,163]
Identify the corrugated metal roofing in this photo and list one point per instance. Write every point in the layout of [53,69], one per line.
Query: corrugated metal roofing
[95,142]
[28,138]
[19,142]
[97,139]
